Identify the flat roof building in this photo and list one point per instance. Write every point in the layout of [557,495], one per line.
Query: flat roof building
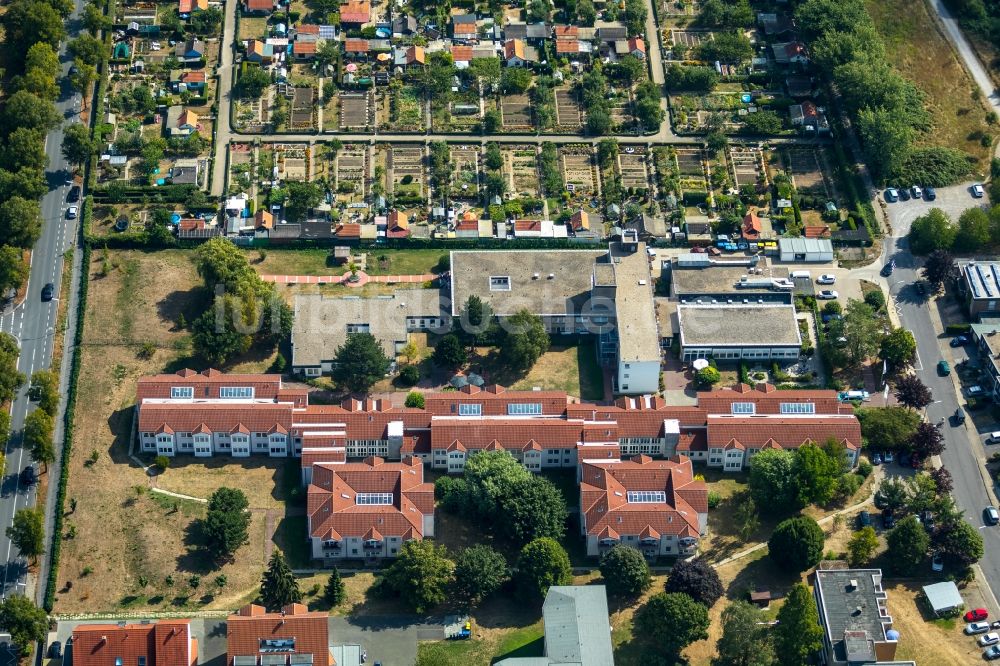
[854,614]
[981,283]
[697,278]
[733,332]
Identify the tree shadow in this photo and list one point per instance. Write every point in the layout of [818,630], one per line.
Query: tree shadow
[196,559]
[761,574]
[190,303]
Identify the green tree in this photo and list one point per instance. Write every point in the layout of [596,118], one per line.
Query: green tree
[746,637]
[215,337]
[77,146]
[625,571]
[671,621]
[908,543]
[940,267]
[94,19]
[415,399]
[37,436]
[697,579]
[20,222]
[862,330]
[862,546]
[542,564]
[302,196]
[449,352]
[10,379]
[227,522]
[88,49]
[707,376]
[27,22]
[488,71]
[534,508]
[796,544]
[360,362]
[25,147]
[798,634]
[888,140]
[959,542]
[41,69]
[26,623]
[514,80]
[933,231]
[13,268]
[278,586]
[480,571]
[773,481]
[898,349]
[892,494]
[27,532]
[492,121]
[253,82]
[887,428]
[524,341]
[973,230]
[335,592]
[493,159]
[45,391]
[816,474]
[421,575]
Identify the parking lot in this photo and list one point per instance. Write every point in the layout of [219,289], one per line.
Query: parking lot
[953,200]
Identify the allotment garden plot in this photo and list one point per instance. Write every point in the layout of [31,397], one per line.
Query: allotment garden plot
[689,38]
[747,163]
[806,171]
[569,112]
[465,171]
[579,170]
[405,167]
[516,111]
[520,168]
[632,168]
[292,161]
[356,110]
[351,173]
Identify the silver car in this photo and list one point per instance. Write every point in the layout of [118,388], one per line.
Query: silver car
[977,628]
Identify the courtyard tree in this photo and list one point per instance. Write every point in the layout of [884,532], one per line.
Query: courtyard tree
[536,508]
[542,564]
[908,543]
[227,522]
[524,341]
[475,319]
[798,634]
[278,586]
[697,579]
[707,377]
[625,571]
[360,362]
[26,623]
[796,544]
[421,575]
[898,349]
[862,546]
[449,352]
[772,481]
[746,637]
[335,591]
[480,571]
[939,268]
[912,393]
[27,532]
[671,621]
[888,428]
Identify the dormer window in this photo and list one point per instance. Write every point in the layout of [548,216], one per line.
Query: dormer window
[798,408]
[231,392]
[181,392]
[743,408]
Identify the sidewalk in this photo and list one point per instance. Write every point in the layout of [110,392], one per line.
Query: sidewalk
[362,279]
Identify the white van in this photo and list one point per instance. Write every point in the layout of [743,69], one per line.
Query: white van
[994,438]
[800,275]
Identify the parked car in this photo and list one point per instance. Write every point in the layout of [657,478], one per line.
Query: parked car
[991,638]
[937,564]
[977,627]
[827,295]
[28,476]
[959,416]
[991,516]
[47,291]
[943,368]
[831,316]
[904,195]
[74,194]
[930,194]
[993,438]
[55,650]
[978,191]
[888,520]
[864,519]
[888,457]
[916,191]
[826,278]
[877,459]
[958,341]
[71,212]
[991,653]
[888,269]
[892,195]
[974,391]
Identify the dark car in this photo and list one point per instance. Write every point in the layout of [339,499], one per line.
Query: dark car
[930,193]
[958,341]
[927,519]
[959,416]
[48,291]
[864,519]
[55,650]
[28,477]
[888,520]
[991,516]
[74,194]
[888,269]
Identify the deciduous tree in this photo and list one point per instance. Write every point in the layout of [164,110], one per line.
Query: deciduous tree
[37,436]
[480,571]
[542,564]
[939,268]
[773,482]
[862,546]
[449,352]
[930,232]
[26,623]
[798,634]
[912,393]
[670,622]
[746,637]
[796,544]
[697,579]
[45,391]
[888,428]
[421,574]
[908,543]
[898,349]
[27,532]
[524,341]
[927,441]
[625,571]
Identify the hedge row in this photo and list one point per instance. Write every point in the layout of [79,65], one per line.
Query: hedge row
[67,449]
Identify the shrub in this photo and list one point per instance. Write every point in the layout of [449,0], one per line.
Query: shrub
[714,499]
[409,375]
[415,399]
[161,463]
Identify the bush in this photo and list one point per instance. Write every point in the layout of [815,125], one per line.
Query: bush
[707,376]
[161,463]
[409,375]
[957,329]
[415,399]
[876,299]
[714,499]
[864,469]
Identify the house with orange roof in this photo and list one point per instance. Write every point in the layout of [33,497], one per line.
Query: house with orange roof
[303,49]
[463,26]
[461,56]
[295,636]
[186,7]
[655,506]
[355,13]
[752,227]
[515,53]
[368,509]
[181,121]
[637,47]
[259,51]
[258,7]
[356,48]
[263,219]
[398,225]
[160,643]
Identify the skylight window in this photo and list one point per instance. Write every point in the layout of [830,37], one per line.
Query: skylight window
[646,497]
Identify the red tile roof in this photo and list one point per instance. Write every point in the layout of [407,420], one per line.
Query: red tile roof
[527,225]
[567,45]
[461,53]
[332,499]
[816,231]
[304,48]
[259,5]
[494,399]
[164,643]
[207,384]
[566,31]
[307,29]
[636,44]
[514,432]
[348,231]
[260,417]
[193,77]
[767,399]
[464,29]
[252,625]
[788,432]
[355,12]
[752,226]
[604,489]
[353,45]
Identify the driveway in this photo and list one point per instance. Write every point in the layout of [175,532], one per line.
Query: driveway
[953,200]
[389,639]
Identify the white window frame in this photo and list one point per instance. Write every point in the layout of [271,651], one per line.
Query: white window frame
[646,497]
[470,409]
[181,392]
[743,408]
[798,408]
[524,409]
[236,392]
[499,283]
[373,499]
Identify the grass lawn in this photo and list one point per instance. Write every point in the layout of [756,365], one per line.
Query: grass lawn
[252,27]
[313,261]
[919,51]
[573,369]
[134,547]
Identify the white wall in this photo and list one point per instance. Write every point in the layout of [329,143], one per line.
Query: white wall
[642,377]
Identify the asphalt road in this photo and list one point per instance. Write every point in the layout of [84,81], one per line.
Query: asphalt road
[33,322]
[963,453]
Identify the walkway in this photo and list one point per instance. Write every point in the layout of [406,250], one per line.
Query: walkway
[362,279]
